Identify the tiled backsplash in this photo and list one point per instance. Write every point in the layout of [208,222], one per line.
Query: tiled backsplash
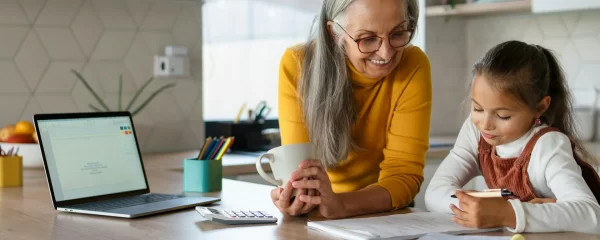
[573,36]
[41,40]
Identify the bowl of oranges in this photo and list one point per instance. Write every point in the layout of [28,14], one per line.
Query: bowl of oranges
[22,138]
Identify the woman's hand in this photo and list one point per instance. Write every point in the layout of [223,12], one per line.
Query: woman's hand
[542,200]
[477,212]
[313,176]
[283,200]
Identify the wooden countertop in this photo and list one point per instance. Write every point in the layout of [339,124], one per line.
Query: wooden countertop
[27,213]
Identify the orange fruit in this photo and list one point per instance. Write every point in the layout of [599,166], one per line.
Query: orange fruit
[24,127]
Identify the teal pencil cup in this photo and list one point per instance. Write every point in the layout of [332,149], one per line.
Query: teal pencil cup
[202,175]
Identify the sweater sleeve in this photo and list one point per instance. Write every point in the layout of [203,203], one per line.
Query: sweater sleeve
[291,121]
[575,209]
[456,170]
[401,171]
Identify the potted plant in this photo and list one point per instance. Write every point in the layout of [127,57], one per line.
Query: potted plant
[104,107]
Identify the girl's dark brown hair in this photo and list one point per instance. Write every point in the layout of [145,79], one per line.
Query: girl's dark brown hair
[529,73]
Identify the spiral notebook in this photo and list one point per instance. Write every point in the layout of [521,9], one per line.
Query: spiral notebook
[398,226]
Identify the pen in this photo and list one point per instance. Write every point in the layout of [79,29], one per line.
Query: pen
[490,193]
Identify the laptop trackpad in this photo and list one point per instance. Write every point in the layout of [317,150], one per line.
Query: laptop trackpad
[162,206]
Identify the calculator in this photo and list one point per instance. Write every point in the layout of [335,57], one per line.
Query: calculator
[233,217]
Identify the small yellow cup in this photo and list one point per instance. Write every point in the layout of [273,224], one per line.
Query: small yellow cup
[11,171]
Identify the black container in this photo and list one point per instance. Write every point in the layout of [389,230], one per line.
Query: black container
[248,137]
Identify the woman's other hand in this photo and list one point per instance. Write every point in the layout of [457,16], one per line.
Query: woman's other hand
[283,200]
[312,176]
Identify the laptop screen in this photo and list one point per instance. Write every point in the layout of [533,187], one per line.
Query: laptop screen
[89,157]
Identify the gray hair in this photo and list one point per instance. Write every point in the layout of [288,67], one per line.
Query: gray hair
[325,88]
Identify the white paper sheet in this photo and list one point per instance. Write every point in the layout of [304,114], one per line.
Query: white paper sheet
[399,226]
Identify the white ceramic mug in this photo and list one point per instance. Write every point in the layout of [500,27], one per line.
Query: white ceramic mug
[284,161]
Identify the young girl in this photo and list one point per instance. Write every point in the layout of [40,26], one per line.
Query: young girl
[519,136]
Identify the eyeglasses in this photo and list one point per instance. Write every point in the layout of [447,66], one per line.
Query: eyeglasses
[372,44]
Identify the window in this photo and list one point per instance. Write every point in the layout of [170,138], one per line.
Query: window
[243,41]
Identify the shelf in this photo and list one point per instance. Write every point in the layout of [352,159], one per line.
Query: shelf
[480,8]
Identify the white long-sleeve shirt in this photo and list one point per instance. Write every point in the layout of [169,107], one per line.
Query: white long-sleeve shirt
[552,171]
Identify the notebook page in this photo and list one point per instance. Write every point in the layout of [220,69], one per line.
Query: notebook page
[399,226]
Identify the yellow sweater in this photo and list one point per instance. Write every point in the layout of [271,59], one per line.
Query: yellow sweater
[392,125]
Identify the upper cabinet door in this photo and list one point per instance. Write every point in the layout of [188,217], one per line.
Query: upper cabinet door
[544,6]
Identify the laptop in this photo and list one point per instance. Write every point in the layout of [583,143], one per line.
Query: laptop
[93,166]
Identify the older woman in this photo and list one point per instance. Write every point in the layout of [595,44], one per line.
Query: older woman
[362,94]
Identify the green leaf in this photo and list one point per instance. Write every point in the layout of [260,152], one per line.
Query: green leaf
[152,96]
[137,94]
[120,91]
[85,83]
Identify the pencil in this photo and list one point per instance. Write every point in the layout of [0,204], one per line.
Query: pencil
[239,115]
[203,150]
[216,150]
[223,149]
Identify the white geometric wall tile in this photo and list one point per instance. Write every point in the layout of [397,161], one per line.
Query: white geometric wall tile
[32,59]
[139,10]
[452,56]
[570,19]
[12,81]
[114,14]
[157,40]
[108,74]
[587,24]
[33,107]
[189,138]
[139,61]
[570,61]
[58,78]
[588,76]
[163,108]
[11,38]
[58,12]
[56,103]
[82,96]
[514,27]
[32,8]
[87,28]
[196,113]
[186,93]
[11,13]
[161,16]
[113,45]
[588,48]
[552,25]
[60,43]
[196,73]
[163,136]
[11,107]
[197,128]
[557,45]
[533,33]
[142,133]
[186,30]
[196,51]
[112,101]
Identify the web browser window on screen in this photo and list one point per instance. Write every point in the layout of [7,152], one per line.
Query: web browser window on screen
[90,157]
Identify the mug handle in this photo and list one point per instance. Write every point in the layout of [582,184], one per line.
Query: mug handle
[262,172]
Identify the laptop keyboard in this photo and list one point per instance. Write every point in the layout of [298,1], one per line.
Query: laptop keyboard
[124,202]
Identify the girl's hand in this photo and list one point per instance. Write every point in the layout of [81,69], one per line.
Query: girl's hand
[283,200]
[312,176]
[477,212]
[542,200]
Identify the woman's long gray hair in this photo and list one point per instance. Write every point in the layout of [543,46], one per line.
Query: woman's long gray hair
[325,89]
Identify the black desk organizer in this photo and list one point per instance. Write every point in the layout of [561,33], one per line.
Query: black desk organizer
[248,137]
